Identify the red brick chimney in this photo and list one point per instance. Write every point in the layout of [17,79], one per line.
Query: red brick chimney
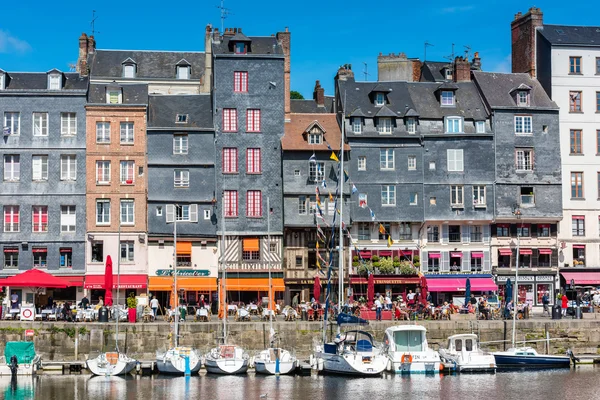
[523,35]
[285,41]
[319,94]
[87,45]
[462,69]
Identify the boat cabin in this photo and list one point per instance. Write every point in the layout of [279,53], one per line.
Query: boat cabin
[458,343]
[409,339]
[355,341]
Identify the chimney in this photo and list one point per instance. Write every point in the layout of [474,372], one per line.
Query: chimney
[216,37]
[84,43]
[416,72]
[319,94]
[476,64]
[229,32]
[523,40]
[345,73]
[206,81]
[394,67]
[462,69]
[285,41]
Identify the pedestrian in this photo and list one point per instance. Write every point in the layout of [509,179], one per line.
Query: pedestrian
[565,304]
[388,302]
[14,301]
[377,309]
[545,302]
[295,301]
[473,300]
[411,298]
[154,306]
[84,302]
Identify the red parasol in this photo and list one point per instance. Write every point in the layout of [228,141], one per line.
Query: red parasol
[405,296]
[108,282]
[317,288]
[370,290]
[35,278]
[423,290]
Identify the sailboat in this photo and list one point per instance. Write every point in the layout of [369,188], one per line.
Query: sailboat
[274,360]
[225,359]
[114,362]
[177,360]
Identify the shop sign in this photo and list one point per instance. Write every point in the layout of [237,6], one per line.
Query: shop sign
[29,332]
[183,272]
[545,279]
[512,278]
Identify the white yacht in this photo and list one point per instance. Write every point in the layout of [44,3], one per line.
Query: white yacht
[111,363]
[463,350]
[174,360]
[267,362]
[226,359]
[408,351]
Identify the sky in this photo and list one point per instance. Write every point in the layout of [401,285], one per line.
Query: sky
[41,35]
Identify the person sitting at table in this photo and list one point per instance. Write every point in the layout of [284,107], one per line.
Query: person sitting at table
[100,303]
[14,301]
[483,309]
[202,303]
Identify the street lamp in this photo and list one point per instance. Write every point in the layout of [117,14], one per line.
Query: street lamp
[517,213]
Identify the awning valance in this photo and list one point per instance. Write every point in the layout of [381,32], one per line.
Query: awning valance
[254,284]
[184,248]
[505,252]
[124,282]
[582,278]
[75,280]
[545,251]
[165,283]
[386,280]
[251,244]
[459,284]
[477,254]
[525,251]
[434,255]
[456,254]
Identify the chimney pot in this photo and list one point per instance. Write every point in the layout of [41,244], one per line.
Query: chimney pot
[287,29]
[319,94]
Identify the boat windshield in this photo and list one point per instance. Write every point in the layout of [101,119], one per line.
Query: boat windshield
[458,345]
[469,344]
[408,341]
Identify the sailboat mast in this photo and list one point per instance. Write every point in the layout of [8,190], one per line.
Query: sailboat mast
[176,295]
[224,272]
[269,263]
[516,289]
[341,234]
[118,287]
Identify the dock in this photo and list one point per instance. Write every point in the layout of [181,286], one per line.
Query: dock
[78,367]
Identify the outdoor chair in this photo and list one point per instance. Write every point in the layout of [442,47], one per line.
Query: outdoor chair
[311,314]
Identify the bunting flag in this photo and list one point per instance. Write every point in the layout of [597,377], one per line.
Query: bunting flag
[320,231]
[346,177]
[321,258]
[343,225]
[317,190]
[390,241]
[318,200]
[324,184]
[330,197]
[319,171]
[354,189]
[328,146]
[313,159]
[319,210]
[334,157]
[372,214]
[318,265]
[381,229]
[317,245]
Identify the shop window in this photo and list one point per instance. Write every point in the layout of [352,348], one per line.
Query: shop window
[544,288]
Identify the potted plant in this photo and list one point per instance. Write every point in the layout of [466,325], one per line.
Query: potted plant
[131,307]
[386,265]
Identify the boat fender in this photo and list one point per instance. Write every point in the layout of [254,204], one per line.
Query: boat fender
[311,361]
[320,364]
[406,358]
[389,365]
[251,362]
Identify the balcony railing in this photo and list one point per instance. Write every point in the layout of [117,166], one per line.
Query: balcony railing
[406,236]
[433,237]
[455,237]
[476,237]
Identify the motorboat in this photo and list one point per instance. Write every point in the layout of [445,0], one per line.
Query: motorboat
[20,357]
[227,360]
[274,361]
[528,357]
[111,363]
[408,351]
[179,361]
[464,352]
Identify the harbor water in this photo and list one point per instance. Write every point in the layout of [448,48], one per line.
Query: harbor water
[579,383]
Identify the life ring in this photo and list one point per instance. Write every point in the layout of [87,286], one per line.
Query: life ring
[406,358]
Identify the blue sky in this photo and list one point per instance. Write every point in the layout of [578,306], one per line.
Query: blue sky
[41,35]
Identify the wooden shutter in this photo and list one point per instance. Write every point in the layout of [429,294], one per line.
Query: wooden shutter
[466,261]
[444,233]
[486,262]
[170,213]
[465,233]
[535,258]
[533,230]
[445,262]
[424,260]
[486,234]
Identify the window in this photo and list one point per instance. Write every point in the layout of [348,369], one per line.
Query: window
[183,72]
[522,98]
[185,212]
[457,195]
[316,170]
[576,141]
[159,211]
[68,168]
[384,125]
[455,160]
[454,125]
[12,121]
[229,120]
[411,125]
[230,160]
[315,138]
[574,101]
[240,48]
[543,230]
[11,257]
[102,212]
[97,251]
[574,65]
[357,125]
[68,124]
[433,200]
[54,82]
[113,96]
[578,225]
[40,257]
[527,196]
[302,205]
[181,178]
[127,168]
[102,132]
[524,230]
[253,203]
[102,172]
[181,119]
[577,185]
[523,124]
[127,251]
[379,99]
[252,120]
[433,262]
[364,231]
[413,199]
[39,168]
[447,98]
[385,231]
[479,196]
[253,161]
[454,233]
[180,144]
[231,203]
[66,257]
[299,261]
[412,163]
[240,81]
[12,167]
[405,231]
[126,132]
[597,65]
[207,214]
[39,219]
[11,219]
[127,210]
[312,205]
[67,219]
[386,159]
[597,101]
[129,71]
[524,160]
[598,141]
[362,163]
[388,195]
[40,124]
[432,165]
[480,126]
[503,230]
[433,233]
[476,233]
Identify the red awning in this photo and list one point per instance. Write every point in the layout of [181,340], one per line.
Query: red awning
[365,254]
[74,280]
[386,280]
[505,252]
[456,254]
[385,253]
[579,246]
[39,250]
[459,284]
[434,255]
[545,251]
[11,250]
[406,253]
[125,282]
[477,254]
[525,251]
[35,278]
[578,217]
[582,278]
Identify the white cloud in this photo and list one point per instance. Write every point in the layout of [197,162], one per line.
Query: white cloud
[11,44]
[458,9]
[503,66]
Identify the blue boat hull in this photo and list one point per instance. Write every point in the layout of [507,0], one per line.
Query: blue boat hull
[505,361]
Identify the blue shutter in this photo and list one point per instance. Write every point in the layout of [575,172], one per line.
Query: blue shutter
[424,260]
[466,261]
[444,233]
[445,264]
[486,262]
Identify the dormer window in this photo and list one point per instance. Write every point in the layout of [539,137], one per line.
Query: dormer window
[357,125]
[54,81]
[379,99]
[448,74]
[129,68]
[411,125]
[315,138]
[454,124]
[183,72]
[522,98]
[240,48]
[114,95]
[447,98]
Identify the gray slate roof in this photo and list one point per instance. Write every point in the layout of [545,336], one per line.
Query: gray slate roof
[307,106]
[257,45]
[163,110]
[431,71]
[357,96]
[150,64]
[132,94]
[571,35]
[24,81]
[497,88]
[427,104]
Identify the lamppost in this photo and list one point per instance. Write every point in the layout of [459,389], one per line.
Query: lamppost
[516,213]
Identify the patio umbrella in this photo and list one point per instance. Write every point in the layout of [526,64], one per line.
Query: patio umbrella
[317,288]
[35,279]
[404,296]
[108,282]
[424,290]
[370,290]
[467,291]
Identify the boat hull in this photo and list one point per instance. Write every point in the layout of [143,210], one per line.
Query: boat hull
[173,362]
[23,369]
[415,363]
[509,361]
[99,366]
[351,364]
[268,367]
[226,366]
[476,362]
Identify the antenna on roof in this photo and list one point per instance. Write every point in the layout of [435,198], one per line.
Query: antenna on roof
[467,51]
[426,45]
[93,23]
[366,72]
[224,13]
[451,59]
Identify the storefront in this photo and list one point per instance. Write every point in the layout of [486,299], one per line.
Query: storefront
[190,288]
[126,284]
[247,290]
[577,281]
[531,288]
[449,287]
[304,288]
[391,285]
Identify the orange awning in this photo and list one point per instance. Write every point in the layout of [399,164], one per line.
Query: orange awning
[204,283]
[184,247]
[254,284]
[251,245]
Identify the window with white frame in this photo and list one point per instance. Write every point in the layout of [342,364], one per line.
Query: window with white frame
[185,212]
[12,167]
[523,124]
[364,231]
[102,172]
[362,163]
[68,167]
[454,125]
[388,195]
[129,71]
[102,211]
[127,250]
[102,132]
[412,163]
[253,161]
[316,171]
[207,214]
[159,211]
[181,118]
[379,99]
[524,159]
[180,144]
[411,125]
[231,203]
[12,121]
[457,195]
[386,159]
[522,98]
[479,196]
[40,124]
[2,81]
[68,124]
[114,96]
[357,125]
[254,203]
[447,98]
[127,212]
[67,219]
[229,120]
[127,168]
[240,81]
[54,82]
[312,205]
[384,125]
[455,160]
[315,137]
[480,126]
[183,72]
[181,178]
[39,219]
[432,165]
[11,219]
[126,132]
[302,205]
[253,120]
[39,168]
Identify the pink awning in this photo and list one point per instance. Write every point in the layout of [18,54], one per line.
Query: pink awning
[579,246]
[578,217]
[525,251]
[477,254]
[505,252]
[456,254]
[385,253]
[545,251]
[365,254]
[434,255]
[459,284]
[582,278]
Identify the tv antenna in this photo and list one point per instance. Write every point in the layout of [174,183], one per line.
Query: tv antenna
[467,51]
[93,22]
[451,56]
[224,13]
[426,45]
[366,72]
